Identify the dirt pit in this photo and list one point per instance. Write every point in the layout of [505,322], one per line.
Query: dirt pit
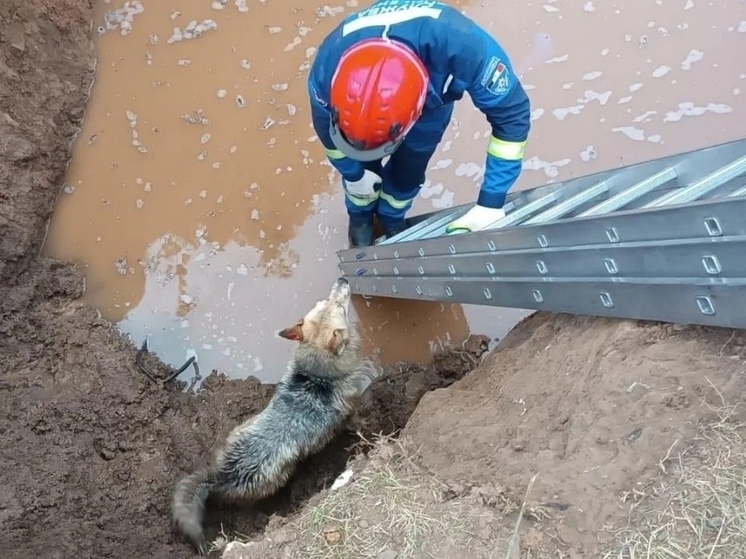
[627,445]
[90,447]
[596,438]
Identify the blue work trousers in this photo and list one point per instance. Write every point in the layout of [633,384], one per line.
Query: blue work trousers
[404,173]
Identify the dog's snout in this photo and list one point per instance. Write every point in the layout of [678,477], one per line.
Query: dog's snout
[340,291]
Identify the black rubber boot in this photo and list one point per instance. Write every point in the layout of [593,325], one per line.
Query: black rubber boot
[393,229]
[360,233]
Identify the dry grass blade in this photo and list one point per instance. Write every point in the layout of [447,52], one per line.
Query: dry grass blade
[697,508]
[384,506]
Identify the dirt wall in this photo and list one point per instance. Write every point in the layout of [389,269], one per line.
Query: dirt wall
[89,447]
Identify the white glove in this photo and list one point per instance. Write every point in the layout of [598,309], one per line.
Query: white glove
[475,219]
[365,187]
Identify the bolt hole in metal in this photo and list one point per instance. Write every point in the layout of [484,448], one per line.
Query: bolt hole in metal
[712,265]
[606,300]
[713,227]
[611,266]
[706,305]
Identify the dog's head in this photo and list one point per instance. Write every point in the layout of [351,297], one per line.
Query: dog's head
[326,326]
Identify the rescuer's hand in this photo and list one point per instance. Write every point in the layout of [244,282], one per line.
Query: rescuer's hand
[365,187]
[475,219]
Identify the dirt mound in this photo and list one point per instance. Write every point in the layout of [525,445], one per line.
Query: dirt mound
[91,448]
[590,406]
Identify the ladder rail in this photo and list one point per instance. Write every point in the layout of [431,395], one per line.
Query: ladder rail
[707,218]
[686,301]
[700,257]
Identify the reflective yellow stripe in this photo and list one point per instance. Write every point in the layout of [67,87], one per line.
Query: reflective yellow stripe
[506,150]
[394,203]
[361,202]
[333,153]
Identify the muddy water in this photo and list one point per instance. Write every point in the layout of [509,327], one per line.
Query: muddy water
[201,209]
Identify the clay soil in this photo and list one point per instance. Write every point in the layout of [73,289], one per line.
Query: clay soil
[610,419]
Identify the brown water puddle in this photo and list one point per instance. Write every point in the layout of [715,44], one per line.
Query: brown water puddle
[204,215]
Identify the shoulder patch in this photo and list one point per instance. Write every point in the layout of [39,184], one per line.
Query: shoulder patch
[496,78]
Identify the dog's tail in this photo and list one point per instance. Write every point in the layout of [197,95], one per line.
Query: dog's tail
[190,498]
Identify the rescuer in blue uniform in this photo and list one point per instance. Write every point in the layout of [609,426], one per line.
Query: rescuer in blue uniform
[384,82]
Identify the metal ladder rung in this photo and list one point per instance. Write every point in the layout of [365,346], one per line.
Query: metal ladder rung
[515,217]
[564,208]
[438,223]
[632,193]
[701,187]
[740,192]
[520,215]
[410,233]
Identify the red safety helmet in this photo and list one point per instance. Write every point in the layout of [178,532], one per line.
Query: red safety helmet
[377,94]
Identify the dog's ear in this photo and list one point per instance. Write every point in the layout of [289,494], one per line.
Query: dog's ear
[338,341]
[294,332]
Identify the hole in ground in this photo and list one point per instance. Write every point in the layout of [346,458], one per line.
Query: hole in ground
[387,405]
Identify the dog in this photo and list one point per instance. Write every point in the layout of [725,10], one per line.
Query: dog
[312,401]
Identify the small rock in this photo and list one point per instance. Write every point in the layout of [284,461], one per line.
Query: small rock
[16,148]
[240,101]
[333,536]
[388,554]
[415,386]
[17,39]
